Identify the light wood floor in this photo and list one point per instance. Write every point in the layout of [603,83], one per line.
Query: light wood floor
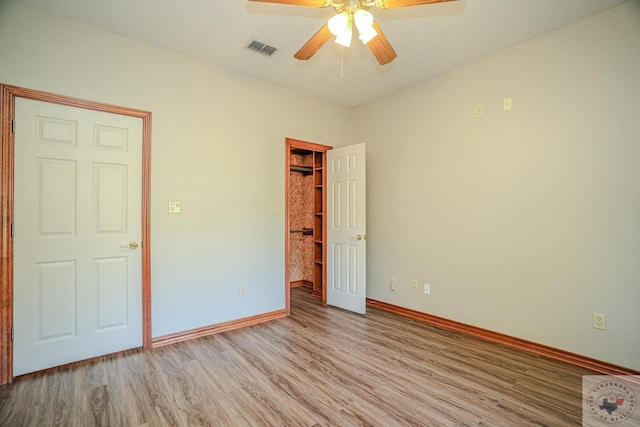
[321,366]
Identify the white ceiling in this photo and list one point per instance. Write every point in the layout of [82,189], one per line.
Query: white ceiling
[429,39]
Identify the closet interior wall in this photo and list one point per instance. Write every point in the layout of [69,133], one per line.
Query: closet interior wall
[301,220]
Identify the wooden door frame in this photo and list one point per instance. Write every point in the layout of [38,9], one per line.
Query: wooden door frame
[8,95]
[291,143]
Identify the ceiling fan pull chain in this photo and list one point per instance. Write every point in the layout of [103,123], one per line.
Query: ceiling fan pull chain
[341,63]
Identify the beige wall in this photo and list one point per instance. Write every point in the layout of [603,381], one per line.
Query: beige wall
[526,221]
[218,146]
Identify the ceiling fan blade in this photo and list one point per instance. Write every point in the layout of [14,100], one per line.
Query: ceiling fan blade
[314,43]
[381,47]
[392,4]
[310,3]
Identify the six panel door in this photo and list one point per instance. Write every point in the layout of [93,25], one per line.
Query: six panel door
[346,228]
[77,228]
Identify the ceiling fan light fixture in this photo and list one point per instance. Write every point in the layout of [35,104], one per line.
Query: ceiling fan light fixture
[340,26]
[344,39]
[364,23]
[339,23]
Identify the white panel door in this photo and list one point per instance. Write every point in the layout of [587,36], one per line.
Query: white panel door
[77,210]
[346,228]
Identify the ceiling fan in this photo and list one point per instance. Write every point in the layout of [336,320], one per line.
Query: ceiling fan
[349,12]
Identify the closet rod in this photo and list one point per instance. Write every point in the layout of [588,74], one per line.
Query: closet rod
[303,169]
[303,231]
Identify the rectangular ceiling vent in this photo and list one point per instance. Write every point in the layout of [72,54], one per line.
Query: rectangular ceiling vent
[261,47]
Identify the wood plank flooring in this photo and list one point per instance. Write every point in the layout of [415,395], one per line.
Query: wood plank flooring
[320,367]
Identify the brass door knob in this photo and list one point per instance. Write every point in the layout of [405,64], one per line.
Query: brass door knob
[361,237]
[132,245]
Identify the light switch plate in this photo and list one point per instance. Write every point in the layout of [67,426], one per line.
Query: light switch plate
[479,112]
[175,207]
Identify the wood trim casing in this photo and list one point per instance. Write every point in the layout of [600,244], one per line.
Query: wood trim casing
[8,94]
[217,328]
[6,241]
[291,143]
[287,226]
[529,346]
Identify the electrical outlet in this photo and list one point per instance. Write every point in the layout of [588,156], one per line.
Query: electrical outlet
[392,283]
[241,291]
[414,285]
[427,289]
[599,321]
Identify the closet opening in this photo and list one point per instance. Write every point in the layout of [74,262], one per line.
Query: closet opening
[305,253]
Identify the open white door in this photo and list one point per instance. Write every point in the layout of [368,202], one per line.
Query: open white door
[77,264]
[346,228]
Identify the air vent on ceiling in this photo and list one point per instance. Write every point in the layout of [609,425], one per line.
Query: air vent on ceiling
[261,47]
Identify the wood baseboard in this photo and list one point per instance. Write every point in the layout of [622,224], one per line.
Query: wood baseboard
[215,329]
[298,283]
[532,347]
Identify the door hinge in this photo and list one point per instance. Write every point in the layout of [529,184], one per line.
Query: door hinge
[13,126]
[12,334]
[11,230]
